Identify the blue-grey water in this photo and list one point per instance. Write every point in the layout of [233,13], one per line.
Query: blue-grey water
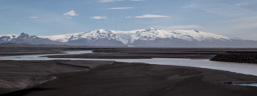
[243,68]
[253,85]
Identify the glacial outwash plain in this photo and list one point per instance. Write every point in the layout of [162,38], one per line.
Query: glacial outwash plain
[61,70]
[128,48]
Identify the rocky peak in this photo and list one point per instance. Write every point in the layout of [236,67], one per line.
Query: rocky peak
[151,29]
[197,31]
[24,36]
[102,31]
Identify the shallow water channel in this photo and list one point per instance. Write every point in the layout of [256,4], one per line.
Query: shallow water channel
[243,68]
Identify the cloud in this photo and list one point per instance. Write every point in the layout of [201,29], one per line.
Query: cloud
[242,4]
[179,27]
[151,16]
[70,14]
[120,8]
[191,5]
[33,17]
[98,17]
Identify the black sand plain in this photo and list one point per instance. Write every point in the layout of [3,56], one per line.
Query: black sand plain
[107,78]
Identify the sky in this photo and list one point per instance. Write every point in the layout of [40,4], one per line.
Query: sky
[232,18]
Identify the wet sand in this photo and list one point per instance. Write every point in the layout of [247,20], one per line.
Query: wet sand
[105,78]
[144,53]
[132,79]
[17,75]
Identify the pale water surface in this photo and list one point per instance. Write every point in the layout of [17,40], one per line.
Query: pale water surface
[243,68]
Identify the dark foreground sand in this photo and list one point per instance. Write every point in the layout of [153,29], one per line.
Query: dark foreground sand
[235,56]
[102,78]
[17,75]
[131,79]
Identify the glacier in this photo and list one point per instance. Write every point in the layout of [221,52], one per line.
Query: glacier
[150,37]
[128,37]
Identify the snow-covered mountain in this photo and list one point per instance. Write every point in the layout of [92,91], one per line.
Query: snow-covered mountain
[7,38]
[129,37]
[25,38]
[141,38]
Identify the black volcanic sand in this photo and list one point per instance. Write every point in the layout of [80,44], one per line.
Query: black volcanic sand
[108,55]
[139,53]
[10,49]
[100,78]
[133,79]
[16,75]
[239,57]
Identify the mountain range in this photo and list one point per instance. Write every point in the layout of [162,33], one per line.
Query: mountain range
[136,38]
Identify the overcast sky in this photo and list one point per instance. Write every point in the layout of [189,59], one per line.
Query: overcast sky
[232,18]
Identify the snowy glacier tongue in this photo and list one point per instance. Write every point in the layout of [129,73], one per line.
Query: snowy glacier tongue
[61,38]
[8,37]
[128,37]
